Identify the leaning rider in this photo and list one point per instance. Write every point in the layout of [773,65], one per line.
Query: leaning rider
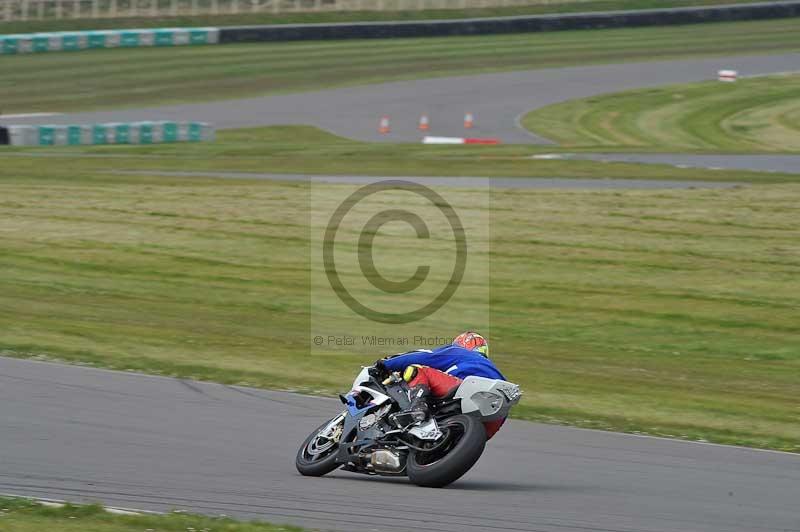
[437,373]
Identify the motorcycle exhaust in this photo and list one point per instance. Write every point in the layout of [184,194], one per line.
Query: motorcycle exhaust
[387,462]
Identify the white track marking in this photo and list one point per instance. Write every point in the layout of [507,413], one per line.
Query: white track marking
[121,511]
[547,156]
[784,73]
[58,503]
[29,115]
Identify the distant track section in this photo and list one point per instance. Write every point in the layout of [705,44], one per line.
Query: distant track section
[496,100]
[520,24]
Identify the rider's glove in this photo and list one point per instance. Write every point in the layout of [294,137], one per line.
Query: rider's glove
[380,369]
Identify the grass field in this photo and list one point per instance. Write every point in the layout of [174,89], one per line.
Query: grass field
[303,149]
[665,312]
[752,115]
[22,515]
[116,78]
[566,6]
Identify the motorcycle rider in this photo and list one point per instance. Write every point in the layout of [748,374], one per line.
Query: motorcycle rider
[439,372]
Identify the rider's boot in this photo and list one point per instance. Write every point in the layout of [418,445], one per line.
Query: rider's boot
[418,410]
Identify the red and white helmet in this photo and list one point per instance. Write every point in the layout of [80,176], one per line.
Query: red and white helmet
[472,341]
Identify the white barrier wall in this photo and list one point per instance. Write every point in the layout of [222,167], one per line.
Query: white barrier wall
[64,41]
[112,133]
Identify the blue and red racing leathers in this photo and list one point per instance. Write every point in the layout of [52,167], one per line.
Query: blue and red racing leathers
[443,369]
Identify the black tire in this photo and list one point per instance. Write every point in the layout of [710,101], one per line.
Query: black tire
[435,471]
[323,464]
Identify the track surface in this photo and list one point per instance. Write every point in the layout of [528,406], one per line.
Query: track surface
[158,443]
[789,164]
[466,182]
[496,100]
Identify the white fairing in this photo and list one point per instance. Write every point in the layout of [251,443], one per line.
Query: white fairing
[488,399]
[377,397]
[362,378]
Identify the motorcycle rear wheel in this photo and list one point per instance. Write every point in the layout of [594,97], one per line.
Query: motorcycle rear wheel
[448,463]
[317,455]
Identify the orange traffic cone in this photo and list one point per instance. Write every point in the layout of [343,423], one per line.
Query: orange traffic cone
[424,124]
[469,121]
[383,126]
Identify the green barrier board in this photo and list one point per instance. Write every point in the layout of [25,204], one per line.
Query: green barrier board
[73,135]
[99,134]
[163,38]
[10,44]
[41,43]
[70,42]
[195,132]
[122,134]
[199,36]
[170,132]
[145,134]
[46,136]
[96,40]
[115,133]
[129,39]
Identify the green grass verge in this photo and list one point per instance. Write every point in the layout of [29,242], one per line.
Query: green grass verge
[248,19]
[308,150]
[119,78]
[664,312]
[752,115]
[24,515]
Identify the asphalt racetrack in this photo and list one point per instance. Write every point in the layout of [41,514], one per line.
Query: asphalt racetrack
[157,443]
[761,163]
[496,100]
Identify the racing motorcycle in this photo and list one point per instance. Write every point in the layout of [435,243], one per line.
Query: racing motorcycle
[369,437]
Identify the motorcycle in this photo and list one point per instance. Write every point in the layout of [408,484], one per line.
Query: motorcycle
[369,437]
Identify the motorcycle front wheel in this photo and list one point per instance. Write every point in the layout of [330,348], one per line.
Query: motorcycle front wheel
[446,463]
[317,454]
